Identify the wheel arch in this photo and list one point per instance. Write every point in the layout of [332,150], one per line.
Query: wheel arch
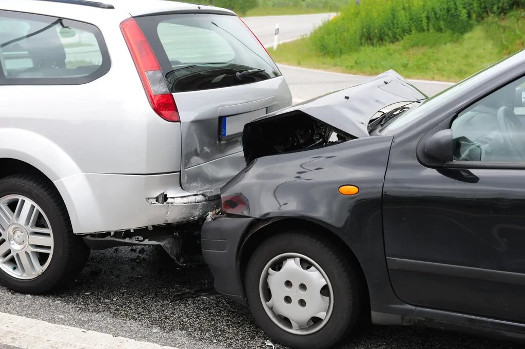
[265,229]
[33,152]
[10,166]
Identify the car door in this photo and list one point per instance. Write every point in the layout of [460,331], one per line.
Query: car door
[455,234]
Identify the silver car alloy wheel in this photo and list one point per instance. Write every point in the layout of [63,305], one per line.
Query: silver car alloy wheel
[26,242]
[296,293]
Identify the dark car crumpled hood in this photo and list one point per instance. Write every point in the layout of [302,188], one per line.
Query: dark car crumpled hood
[330,119]
[351,109]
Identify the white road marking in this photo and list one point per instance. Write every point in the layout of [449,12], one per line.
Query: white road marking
[20,332]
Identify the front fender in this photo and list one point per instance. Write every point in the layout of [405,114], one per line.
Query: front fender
[305,184]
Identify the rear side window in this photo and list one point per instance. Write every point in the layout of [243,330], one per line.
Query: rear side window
[206,51]
[43,50]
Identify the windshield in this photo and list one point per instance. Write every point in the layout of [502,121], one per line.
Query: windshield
[206,51]
[409,117]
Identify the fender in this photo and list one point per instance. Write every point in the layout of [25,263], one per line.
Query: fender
[40,152]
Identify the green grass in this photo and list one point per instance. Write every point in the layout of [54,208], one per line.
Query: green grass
[281,11]
[379,22]
[436,56]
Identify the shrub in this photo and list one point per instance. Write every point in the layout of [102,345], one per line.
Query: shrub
[375,22]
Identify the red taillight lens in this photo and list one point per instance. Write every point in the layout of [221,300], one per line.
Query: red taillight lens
[149,70]
[235,204]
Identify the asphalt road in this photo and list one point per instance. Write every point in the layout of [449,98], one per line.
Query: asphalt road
[141,294]
[290,27]
[306,83]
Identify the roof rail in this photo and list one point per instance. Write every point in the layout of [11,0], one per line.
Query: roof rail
[83,3]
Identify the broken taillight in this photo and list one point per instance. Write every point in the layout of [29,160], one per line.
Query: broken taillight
[235,204]
[148,67]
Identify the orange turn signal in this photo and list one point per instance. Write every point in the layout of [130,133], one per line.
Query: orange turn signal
[348,190]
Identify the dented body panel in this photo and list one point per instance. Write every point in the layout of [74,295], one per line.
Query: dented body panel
[438,246]
[305,185]
[334,118]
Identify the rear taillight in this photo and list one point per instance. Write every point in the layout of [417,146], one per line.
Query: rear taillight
[149,70]
[235,204]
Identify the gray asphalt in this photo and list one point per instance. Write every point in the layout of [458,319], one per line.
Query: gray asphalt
[306,83]
[290,27]
[141,294]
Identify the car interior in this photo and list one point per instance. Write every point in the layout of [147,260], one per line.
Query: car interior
[493,129]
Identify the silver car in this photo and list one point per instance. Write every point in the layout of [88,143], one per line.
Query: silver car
[118,120]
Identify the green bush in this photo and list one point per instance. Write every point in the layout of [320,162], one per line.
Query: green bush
[376,22]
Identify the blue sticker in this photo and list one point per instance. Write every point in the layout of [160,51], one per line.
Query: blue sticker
[223,127]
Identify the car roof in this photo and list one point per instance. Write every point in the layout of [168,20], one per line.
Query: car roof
[92,9]
[141,7]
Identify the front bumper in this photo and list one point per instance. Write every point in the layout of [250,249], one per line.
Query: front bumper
[221,241]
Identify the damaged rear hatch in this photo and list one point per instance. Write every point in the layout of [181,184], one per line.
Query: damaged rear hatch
[220,77]
[334,118]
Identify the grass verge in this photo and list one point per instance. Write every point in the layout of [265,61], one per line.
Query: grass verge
[434,56]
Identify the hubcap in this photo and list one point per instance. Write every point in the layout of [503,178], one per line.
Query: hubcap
[296,293]
[26,238]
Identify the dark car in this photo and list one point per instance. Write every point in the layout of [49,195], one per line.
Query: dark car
[374,202]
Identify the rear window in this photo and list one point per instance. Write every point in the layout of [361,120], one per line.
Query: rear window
[37,49]
[206,51]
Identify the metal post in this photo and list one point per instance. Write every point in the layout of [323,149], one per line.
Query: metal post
[276,37]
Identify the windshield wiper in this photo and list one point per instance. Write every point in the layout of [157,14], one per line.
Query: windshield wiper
[171,72]
[242,74]
[385,117]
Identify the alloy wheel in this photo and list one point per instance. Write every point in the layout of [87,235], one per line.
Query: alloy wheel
[26,240]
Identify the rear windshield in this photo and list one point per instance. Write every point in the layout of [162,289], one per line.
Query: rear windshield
[206,51]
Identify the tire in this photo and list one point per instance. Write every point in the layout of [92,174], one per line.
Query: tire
[38,251]
[285,300]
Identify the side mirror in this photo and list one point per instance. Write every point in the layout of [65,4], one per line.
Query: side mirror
[439,147]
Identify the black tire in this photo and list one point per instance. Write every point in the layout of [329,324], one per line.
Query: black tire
[70,253]
[343,276]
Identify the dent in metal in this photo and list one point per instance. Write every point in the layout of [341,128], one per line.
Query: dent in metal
[351,109]
[207,161]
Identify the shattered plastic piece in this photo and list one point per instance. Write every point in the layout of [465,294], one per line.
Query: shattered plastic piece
[269,344]
[213,215]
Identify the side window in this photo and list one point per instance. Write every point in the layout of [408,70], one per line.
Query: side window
[493,129]
[38,49]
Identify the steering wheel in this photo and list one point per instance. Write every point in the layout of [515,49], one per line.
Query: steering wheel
[511,130]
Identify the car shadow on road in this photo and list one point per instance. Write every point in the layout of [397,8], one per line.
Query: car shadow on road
[145,285]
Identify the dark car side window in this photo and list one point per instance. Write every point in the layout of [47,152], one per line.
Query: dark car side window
[42,50]
[493,129]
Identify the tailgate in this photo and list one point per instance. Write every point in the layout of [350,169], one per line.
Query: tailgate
[221,78]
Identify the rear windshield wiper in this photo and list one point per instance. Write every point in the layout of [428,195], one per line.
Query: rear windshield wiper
[242,74]
[171,72]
